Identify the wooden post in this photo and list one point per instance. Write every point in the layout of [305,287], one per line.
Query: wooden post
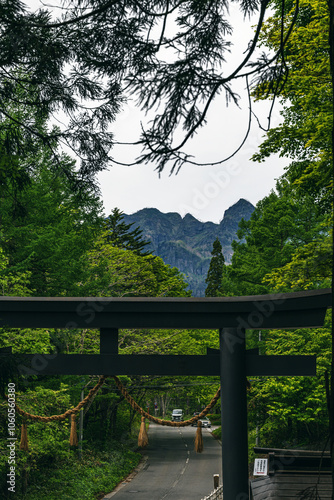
[215,481]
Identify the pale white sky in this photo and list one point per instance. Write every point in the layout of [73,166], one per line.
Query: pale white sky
[205,192]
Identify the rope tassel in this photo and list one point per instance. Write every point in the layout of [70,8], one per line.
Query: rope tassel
[24,445]
[73,435]
[199,438]
[142,437]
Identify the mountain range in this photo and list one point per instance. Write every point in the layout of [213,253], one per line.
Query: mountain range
[186,243]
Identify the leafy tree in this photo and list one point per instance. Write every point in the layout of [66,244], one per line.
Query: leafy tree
[293,410]
[168,341]
[169,280]
[45,226]
[279,225]
[121,235]
[309,268]
[11,284]
[115,272]
[46,229]
[304,136]
[50,238]
[215,272]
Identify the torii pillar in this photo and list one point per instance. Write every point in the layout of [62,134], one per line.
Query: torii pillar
[234,413]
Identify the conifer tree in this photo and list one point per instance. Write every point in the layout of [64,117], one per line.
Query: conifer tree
[216,271]
[120,234]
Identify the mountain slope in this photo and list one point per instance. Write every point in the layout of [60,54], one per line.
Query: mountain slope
[186,243]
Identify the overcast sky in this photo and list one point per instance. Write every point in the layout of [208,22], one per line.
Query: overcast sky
[205,192]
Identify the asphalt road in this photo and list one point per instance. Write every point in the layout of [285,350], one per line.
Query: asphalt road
[173,470]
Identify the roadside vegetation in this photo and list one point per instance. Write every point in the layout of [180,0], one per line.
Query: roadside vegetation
[97,473]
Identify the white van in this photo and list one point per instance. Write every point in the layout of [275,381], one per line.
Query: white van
[177,415]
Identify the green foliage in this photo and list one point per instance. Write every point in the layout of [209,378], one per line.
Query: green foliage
[48,443]
[216,272]
[115,272]
[120,234]
[50,239]
[167,341]
[11,283]
[51,467]
[280,225]
[293,410]
[287,244]
[26,340]
[305,134]
[53,242]
[46,229]
[309,268]
[217,433]
[169,281]
[98,473]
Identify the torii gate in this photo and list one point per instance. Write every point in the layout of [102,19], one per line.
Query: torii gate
[232,316]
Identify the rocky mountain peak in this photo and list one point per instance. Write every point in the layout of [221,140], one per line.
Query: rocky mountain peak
[186,243]
[240,210]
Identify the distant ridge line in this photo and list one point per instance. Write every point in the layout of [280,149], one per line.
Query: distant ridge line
[185,242]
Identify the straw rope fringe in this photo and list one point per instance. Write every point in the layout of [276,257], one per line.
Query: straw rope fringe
[143,437]
[130,400]
[199,438]
[73,434]
[24,444]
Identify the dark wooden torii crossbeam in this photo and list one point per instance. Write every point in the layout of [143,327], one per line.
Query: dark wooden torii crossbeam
[232,316]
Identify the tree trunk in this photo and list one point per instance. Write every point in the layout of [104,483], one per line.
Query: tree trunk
[164,404]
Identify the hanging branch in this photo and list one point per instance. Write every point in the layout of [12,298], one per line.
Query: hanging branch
[117,54]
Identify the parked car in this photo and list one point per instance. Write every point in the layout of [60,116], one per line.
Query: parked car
[204,421]
[177,415]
